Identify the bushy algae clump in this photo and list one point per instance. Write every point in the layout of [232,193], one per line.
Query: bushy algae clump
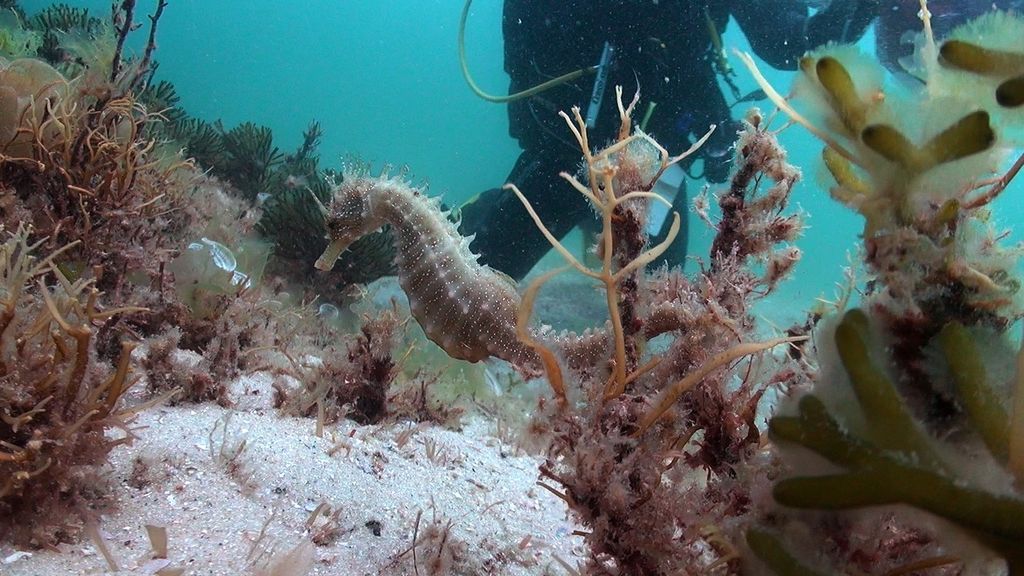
[57,402]
[919,394]
[623,417]
[78,163]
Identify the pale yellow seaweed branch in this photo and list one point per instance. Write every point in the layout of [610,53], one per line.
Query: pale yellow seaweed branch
[780,101]
[670,395]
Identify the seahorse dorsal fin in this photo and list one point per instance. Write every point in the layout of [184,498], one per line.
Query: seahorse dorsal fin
[511,281]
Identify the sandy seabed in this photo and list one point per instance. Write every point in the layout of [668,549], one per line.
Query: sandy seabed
[215,495]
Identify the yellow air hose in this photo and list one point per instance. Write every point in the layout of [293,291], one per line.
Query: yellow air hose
[518,95]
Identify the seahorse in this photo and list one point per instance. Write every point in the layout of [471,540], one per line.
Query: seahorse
[466,308]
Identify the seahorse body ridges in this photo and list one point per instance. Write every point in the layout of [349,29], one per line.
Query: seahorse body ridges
[466,308]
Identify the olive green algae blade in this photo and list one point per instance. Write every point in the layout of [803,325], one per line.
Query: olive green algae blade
[770,551]
[816,430]
[979,60]
[838,83]
[1011,93]
[890,424]
[983,406]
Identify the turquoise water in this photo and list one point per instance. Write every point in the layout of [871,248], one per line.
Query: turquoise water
[381,76]
[383,79]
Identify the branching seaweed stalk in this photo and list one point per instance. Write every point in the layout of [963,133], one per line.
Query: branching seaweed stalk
[602,170]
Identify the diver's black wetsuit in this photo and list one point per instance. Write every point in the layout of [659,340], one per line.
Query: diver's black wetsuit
[663,45]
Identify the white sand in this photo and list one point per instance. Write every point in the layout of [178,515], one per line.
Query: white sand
[214,506]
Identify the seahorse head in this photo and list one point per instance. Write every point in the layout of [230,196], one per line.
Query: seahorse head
[350,216]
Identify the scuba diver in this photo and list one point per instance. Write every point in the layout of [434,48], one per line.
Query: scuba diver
[671,50]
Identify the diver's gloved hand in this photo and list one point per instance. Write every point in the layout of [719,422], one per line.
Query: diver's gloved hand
[717,152]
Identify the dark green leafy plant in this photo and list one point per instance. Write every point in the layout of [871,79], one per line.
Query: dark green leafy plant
[62,19]
[250,158]
[201,140]
[293,219]
[162,98]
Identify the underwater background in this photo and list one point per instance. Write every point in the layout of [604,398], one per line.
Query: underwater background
[383,79]
[206,351]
